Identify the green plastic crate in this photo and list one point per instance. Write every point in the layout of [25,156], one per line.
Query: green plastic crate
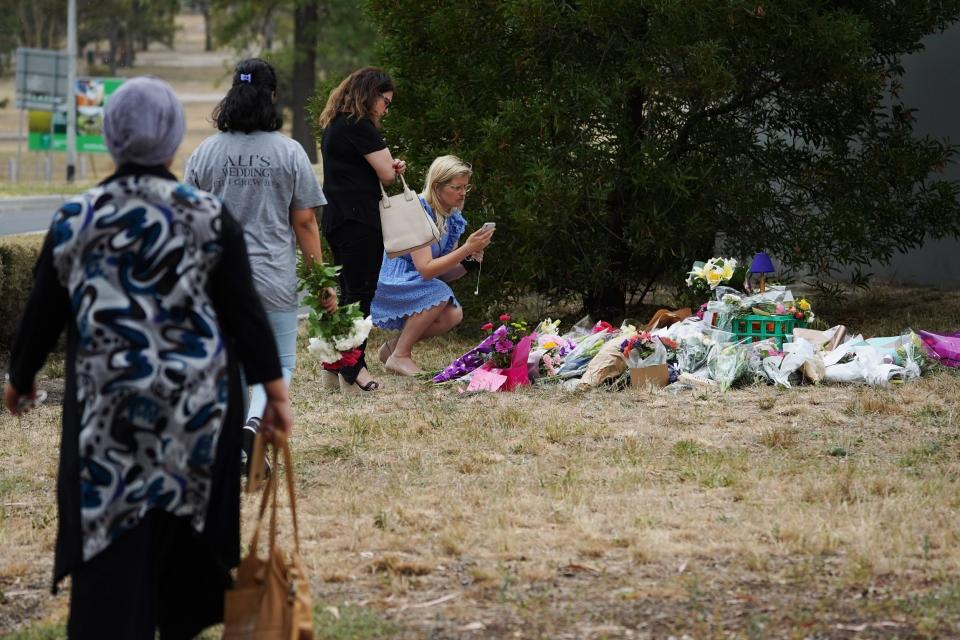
[759,328]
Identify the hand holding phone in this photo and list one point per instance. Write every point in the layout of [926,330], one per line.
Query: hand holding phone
[488,225]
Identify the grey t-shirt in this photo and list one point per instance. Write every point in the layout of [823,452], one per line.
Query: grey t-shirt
[261,177]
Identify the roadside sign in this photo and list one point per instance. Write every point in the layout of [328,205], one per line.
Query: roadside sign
[47,131]
[41,79]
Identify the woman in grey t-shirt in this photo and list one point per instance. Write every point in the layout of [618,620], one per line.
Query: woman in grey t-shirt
[268,183]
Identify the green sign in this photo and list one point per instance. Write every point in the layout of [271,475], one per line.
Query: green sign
[47,131]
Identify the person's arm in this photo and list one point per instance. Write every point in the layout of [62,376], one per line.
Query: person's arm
[385,165]
[304,223]
[430,267]
[44,317]
[457,272]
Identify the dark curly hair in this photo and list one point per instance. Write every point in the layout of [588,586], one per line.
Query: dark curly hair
[249,104]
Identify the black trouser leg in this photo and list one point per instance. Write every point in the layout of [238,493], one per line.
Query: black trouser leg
[358,248]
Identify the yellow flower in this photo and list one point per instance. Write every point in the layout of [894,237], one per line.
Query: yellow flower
[549,345]
[714,278]
[727,271]
[804,305]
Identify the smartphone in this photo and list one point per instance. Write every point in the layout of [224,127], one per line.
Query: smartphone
[488,225]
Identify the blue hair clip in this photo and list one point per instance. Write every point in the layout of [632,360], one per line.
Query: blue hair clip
[246,77]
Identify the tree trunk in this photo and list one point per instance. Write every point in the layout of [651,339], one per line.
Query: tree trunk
[606,302]
[304,73]
[207,30]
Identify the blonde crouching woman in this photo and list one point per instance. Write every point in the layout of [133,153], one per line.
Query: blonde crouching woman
[412,292]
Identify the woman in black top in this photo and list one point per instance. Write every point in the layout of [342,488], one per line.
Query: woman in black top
[355,161]
[150,277]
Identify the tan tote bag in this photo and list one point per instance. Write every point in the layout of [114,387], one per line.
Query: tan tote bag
[270,599]
[405,223]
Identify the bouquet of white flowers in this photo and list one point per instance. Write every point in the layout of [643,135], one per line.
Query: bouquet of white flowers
[334,337]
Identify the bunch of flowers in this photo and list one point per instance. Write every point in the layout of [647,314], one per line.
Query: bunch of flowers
[514,330]
[334,337]
[914,350]
[472,359]
[555,346]
[643,345]
[706,277]
[587,347]
[799,309]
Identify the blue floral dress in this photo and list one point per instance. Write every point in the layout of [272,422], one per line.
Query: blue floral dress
[402,291]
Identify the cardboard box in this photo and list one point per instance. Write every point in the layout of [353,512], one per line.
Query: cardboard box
[657,376]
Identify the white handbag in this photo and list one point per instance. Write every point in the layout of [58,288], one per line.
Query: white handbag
[406,224]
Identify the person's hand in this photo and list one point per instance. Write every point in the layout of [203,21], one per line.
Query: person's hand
[277,415]
[17,403]
[478,241]
[400,166]
[329,300]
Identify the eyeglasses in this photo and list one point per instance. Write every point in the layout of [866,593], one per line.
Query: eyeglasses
[463,188]
[386,101]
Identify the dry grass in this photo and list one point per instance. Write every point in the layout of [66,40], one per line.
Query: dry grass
[811,512]
[775,513]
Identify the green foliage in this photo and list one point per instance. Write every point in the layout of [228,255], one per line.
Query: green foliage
[616,141]
[344,38]
[315,279]
[18,255]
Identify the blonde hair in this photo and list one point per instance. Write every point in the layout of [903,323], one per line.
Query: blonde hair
[356,95]
[442,170]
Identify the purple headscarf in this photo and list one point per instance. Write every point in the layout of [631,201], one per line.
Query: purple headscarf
[143,122]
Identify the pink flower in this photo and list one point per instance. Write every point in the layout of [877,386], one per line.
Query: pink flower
[780,309]
[505,318]
[602,325]
[487,327]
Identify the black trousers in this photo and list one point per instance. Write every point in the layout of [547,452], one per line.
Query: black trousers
[358,248]
[159,576]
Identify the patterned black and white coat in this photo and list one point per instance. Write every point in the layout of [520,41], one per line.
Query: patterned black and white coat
[151,279]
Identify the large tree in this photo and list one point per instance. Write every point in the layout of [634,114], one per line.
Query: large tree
[617,141]
[305,40]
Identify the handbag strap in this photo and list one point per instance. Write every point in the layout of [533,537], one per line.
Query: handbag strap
[270,495]
[270,491]
[407,192]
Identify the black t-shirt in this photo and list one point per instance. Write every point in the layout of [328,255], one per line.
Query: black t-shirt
[350,183]
[344,144]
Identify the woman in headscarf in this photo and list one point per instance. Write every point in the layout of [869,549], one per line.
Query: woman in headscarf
[151,279]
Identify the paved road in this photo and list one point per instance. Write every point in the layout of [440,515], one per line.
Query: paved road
[27,214]
[32,214]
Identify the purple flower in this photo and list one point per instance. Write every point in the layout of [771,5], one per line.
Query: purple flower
[503,346]
[471,359]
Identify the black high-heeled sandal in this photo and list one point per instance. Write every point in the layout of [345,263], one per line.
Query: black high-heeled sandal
[356,387]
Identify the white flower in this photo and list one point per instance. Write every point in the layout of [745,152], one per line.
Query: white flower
[323,350]
[358,333]
[731,299]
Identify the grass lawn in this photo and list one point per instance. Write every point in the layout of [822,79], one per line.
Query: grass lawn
[816,512]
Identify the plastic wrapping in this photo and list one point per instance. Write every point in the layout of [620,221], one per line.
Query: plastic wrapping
[727,363]
[694,347]
[607,364]
[943,347]
[659,356]
[577,360]
[868,366]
